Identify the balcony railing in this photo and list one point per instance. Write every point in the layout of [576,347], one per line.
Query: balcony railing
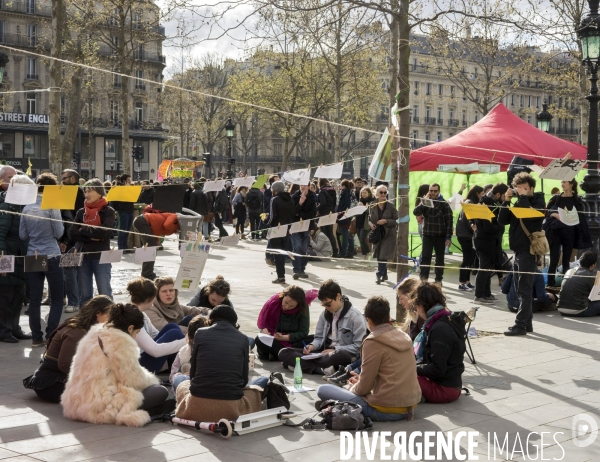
[26,8]
[32,76]
[430,120]
[440,121]
[464,123]
[140,86]
[452,122]
[415,119]
[23,41]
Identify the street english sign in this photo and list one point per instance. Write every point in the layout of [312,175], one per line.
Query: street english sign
[15,117]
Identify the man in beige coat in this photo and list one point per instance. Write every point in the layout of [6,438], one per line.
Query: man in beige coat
[387,387]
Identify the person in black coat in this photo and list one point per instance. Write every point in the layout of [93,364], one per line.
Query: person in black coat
[327,201]
[213,294]
[524,263]
[306,209]
[201,202]
[282,212]
[464,234]
[124,211]
[346,189]
[439,347]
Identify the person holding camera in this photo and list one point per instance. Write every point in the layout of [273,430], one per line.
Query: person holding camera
[520,236]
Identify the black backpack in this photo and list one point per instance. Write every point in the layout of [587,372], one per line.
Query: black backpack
[276,393]
[253,200]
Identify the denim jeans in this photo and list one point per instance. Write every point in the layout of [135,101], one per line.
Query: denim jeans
[72,285]
[89,270]
[125,221]
[260,381]
[300,243]
[593,309]
[167,334]
[178,379]
[54,276]
[346,250]
[254,224]
[381,269]
[525,262]
[326,392]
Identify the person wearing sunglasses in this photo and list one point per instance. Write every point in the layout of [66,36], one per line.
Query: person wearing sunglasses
[437,231]
[383,220]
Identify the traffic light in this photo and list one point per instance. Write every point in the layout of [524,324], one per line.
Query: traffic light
[137,152]
[77,157]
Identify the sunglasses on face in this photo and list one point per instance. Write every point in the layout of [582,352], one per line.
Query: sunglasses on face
[433,191]
[382,193]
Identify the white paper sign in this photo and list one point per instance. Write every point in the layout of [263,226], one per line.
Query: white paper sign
[230,241]
[299,226]
[216,185]
[21,194]
[70,259]
[247,181]
[333,172]
[301,176]
[266,339]
[144,254]
[560,169]
[568,217]
[300,390]
[7,264]
[327,220]
[358,210]
[427,203]
[279,231]
[455,202]
[190,270]
[111,256]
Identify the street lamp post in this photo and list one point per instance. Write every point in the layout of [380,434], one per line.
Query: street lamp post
[230,132]
[589,34]
[543,118]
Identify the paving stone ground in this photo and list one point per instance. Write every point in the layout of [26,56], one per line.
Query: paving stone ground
[519,386]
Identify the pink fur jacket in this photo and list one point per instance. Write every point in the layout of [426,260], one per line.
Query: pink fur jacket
[106,380]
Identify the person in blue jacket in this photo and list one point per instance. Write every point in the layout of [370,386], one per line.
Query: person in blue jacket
[542,300]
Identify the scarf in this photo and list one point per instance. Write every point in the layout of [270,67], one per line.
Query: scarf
[271,312]
[433,314]
[91,215]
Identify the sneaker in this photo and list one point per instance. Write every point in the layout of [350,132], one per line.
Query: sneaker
[340,380]
[303,275]
[470,286]
[278,281]
[329,370]
[483,300]
[491,297]
[71,309]
[340,371]
[20,335]
[38,343]
[296,276]
[378,280]
[464,287]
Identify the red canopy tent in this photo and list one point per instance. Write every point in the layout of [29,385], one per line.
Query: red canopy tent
[496,139]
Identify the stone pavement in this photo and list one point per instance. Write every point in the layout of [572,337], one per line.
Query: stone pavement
[521,385]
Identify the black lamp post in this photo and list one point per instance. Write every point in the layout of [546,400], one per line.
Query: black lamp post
[543,118]
[230,133]
[589,34]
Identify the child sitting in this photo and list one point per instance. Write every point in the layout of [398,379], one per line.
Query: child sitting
[180,370]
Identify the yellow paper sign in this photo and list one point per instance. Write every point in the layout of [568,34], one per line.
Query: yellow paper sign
[59,197]
[124,193]
[524,212]
[260,181]
[474,211]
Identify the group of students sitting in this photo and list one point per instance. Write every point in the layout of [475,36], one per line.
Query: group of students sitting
[92,364]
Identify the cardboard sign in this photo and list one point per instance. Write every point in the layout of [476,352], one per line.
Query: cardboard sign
[169,198]
[59,197]
[35,263]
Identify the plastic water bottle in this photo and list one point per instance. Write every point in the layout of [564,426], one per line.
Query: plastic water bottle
[297,375]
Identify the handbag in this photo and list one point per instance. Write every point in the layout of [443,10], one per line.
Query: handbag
[338,416]
[376,235]
[537,239]
[276,392]
[352,229]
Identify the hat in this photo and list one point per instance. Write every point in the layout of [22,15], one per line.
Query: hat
[223,313]
[278,187]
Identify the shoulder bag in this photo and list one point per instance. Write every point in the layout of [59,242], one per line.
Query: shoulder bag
[538,242]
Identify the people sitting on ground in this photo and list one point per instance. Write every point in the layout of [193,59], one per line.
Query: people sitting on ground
[339,333]
[406,292]
[386,387]
[153,224]
[542,300]
[87,238]
[213,294]
[319,245]
[157,346]
[217,388]
[286,317]
[106,383]
[48,381]
[439,348]
[166,308]
[576,288]
[180,370]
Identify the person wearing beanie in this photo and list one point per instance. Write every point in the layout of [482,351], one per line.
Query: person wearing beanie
[282,212]
[219,366]
[92,234]
[286,317]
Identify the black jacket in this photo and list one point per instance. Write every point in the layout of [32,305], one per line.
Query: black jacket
[489,230]
[11,243]
[282,210]
[517,239]
[306,211]
[186,197]
[267,196]
[463,225]
[221,202]
[437,221]
[201,299]
[201,202]
[146,196]
[219,362]
[82,235]
[443,355]
[360,219]
[327,200]
[255,195]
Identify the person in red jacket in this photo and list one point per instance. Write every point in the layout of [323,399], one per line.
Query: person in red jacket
[159,224]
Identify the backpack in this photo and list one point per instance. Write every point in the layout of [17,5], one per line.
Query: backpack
[276,393]
[338,416]
[253,200]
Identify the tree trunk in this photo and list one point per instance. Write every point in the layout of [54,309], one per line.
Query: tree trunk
[56,158]
[338,86]
[76,102]
[127,163]
[404,146]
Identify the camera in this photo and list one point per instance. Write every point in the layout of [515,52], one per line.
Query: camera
[514,192]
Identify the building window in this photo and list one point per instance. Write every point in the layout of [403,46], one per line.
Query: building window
[277,149]
[529,100]
[452,91]
[30,7]
[451,115]
[427,112]
[440,89]
[529,119]
[439,136]
[32,68]
[262,150]
[116,78]
[139,52]
[31,100]
[560,102]
[427,136]
[521,101]
[115,42]
[7,145]
[512,100]
[35,146]
[139,111]
[137,20]
[415,136]
[416,87]
[537,102]
[428,92]
[1,31]
[139,75]
[440,113]
[31,35]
